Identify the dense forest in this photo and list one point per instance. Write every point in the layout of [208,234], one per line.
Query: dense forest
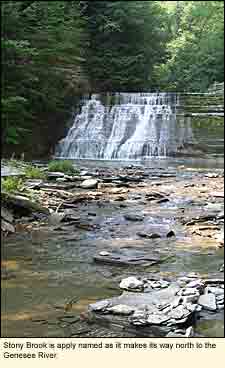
[55,51]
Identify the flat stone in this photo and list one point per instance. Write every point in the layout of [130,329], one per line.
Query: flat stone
[208,302]
[174,334]
[134,217]
[180,312]
[139,318]
[121,309]
[118,190]
[131,283]
[99,306]
[217,194]
[188,291]
[55,174]
[34,183]
[89,184]
[195,284]
[157,319]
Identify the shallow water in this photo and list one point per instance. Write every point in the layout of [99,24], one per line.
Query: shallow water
[47,269]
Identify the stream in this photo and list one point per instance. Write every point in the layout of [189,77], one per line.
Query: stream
[45,268]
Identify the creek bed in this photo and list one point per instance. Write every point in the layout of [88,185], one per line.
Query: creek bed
[44,270]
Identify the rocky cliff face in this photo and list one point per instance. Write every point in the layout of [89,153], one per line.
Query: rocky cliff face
[206,111]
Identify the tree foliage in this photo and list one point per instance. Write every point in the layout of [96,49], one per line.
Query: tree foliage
[195,51]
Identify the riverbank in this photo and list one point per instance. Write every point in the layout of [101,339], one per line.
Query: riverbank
[103,225]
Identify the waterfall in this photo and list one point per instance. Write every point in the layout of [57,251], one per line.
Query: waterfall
[126,126]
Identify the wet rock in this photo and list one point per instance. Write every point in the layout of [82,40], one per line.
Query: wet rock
[121,309]
[190,298]
[55,218]
[188,291]
[118,191]
[199,284]
[158,284]
[149,236]
[19,202]
[89,184]
[139,318]
[217,194]
[153,236]
[34,183]
[157,319]
[170,234]
[6,215]
[220,215]
[220,237]
[175,334]
[189,332]
[215,290]
[104,253]
[127,260]
[220,297]
[131,283]
[55,175]
[134,217]
[99,306]
[208,302]
[180,312]
[7,227]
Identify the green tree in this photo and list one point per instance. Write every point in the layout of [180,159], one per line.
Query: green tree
[126,40]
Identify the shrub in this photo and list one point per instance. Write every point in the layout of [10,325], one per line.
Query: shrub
[32,172]
[11,184]
[64,166]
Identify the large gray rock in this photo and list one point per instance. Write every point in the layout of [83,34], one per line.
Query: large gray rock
[89,184]
[208,302]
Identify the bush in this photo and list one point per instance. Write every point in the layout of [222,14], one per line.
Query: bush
[64,166]
[32,172]
[11,184]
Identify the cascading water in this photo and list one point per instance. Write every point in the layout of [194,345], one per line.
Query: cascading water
[126,126]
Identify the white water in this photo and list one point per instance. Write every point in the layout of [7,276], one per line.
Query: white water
[135,125]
